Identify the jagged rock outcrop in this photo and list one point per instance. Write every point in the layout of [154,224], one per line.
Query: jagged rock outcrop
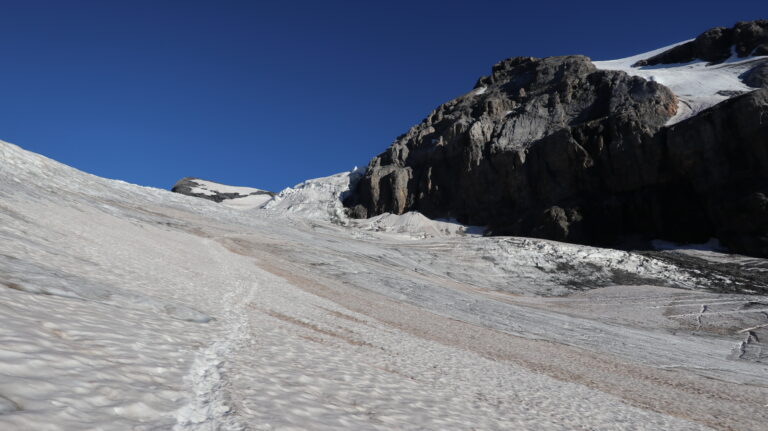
[514,152]
[555,148]
[757,77]
[722,154]
[214,191]
[718,44]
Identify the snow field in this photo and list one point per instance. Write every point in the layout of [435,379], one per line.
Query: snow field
[125,307]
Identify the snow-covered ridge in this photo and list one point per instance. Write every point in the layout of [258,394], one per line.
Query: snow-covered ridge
[698,84]
[243,198]
[211,188]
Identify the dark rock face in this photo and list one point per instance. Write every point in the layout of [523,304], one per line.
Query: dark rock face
[188,186]
[544,135]
[554,148]
[757,77]
[722,154]
[714,45]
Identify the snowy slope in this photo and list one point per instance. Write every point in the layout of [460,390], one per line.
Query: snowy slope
[697,84]
[124,307]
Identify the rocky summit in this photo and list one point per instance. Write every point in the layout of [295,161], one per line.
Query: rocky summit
[216,192]
[717,45]
[559,148]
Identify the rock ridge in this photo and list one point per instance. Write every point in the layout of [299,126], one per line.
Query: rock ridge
[213,191]
[717,45]
[556,148]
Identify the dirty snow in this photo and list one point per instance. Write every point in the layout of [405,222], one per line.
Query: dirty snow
[125,307]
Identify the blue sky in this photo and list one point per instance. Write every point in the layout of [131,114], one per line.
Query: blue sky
[267,94]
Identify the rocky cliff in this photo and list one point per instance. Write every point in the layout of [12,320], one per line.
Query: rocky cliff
[717,45]
[557,148]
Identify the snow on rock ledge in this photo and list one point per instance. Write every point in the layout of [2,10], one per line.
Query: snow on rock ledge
[235,197]
[697,84]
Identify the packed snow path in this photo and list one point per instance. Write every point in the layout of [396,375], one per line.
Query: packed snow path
[210,407]
[124,307]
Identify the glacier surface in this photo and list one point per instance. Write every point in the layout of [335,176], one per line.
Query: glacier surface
[126,307]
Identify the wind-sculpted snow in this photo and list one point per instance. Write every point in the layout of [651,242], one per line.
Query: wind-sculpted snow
[20,275]
[319,323]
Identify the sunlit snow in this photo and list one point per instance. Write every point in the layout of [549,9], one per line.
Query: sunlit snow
[697,84]
[125,307]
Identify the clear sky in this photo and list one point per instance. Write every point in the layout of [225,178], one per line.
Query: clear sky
[267,94]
